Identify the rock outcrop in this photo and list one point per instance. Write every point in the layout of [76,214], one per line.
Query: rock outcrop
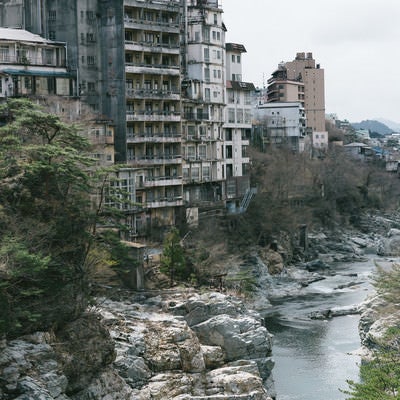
[171,346]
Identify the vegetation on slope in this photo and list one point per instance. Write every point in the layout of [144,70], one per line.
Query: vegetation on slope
[48,241]
[380,376]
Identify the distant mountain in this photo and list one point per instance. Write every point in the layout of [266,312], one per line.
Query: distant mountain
[373,126]
[391,124]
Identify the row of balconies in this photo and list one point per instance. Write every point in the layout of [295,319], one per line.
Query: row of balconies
[153,45]
[173,94]
[156,116]
[29,60]
[161,181]
[154,138]
[165,202]
[152,65]
[169,26]
[196,159]
[155,159]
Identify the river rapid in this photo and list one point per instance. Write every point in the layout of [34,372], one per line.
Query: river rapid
[314,357]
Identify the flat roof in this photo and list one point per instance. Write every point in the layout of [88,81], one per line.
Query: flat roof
[23,36]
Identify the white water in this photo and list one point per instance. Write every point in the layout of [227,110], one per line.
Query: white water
[314,358]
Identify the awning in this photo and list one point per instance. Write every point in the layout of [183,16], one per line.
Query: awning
[30,72]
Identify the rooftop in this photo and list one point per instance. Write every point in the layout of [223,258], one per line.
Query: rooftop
[22,35]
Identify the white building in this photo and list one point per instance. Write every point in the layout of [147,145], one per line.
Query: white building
[281,124]
[237,126]
[32,66]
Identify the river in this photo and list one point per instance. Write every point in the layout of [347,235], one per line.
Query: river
[314,358]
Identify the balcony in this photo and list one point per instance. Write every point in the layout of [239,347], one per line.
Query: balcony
[151,47]
[156,116]
[162,181]
[159,69]
[164,26]
[155,160]
[165,202]
[173,94]
[149,138]
[192,116]
[29,60]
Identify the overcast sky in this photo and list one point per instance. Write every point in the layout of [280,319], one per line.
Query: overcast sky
[356,42]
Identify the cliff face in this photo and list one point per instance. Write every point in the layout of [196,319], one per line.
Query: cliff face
[171,346]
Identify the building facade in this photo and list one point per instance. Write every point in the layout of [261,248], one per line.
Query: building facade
[281,124]
[237,126]
[302,80]
[157,69]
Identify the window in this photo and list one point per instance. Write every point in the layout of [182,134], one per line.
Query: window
[207,94]
[90,60]
[191,152]
[202,152]
[28,82]
[195,173]
[218,54]
[91,87]
[207,74]
[90,15]
[206,34]
[231,115]
[1,85]
[52,35]
[190,131]
[90,37]
[218,36]
[238,59]
[206,54]
[48,56]
[4,53]
[52,15]
[214,35]
[215,19]
[233,58]
[206,173]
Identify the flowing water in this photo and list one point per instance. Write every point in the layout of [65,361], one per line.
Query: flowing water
[314,358]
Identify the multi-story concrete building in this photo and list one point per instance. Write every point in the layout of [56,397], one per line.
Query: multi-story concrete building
[280,125]
[237,125]
[157,69]
[203,102]
[32,66]
[302,80]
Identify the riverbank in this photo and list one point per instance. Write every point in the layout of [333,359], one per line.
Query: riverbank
[182,343]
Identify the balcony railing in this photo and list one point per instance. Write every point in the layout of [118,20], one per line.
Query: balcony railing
[152,138]
[153,45]
[196,116]
[165,202]
[154,160]
[25,60]
[162,181]
[155,93]
[171,24]
[143,115]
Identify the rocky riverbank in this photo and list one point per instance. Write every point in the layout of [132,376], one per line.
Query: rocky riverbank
[185,343]
[173,345]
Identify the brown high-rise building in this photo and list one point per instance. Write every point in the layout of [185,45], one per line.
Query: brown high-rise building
[301,80]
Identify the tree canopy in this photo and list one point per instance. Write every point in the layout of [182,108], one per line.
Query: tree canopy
[44,217]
